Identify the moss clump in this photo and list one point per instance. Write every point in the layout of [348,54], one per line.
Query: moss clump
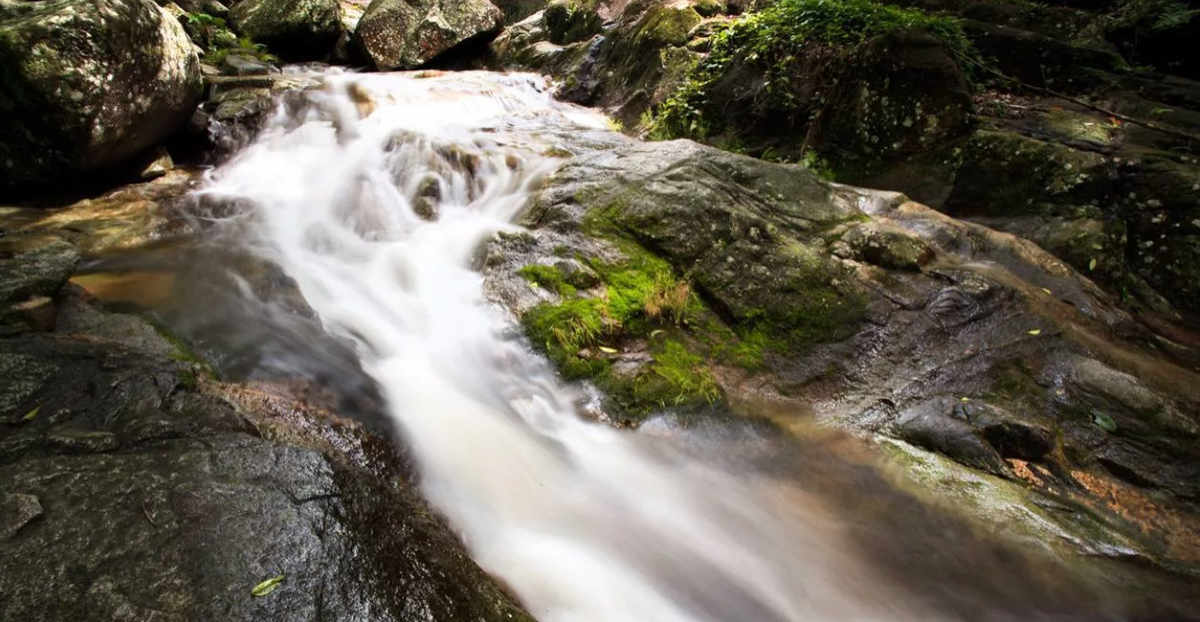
[676,377]
[641,298]
[549,277]
[567,328]
[666,25]
[782,42]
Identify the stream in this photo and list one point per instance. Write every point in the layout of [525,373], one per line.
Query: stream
[374,195]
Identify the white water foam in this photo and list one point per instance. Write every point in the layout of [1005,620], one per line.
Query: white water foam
[583,522]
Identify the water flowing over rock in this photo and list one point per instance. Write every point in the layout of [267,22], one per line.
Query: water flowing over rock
[421,238]
[292,29]
[89,84]
[132,483]
[397,34]
[913,334]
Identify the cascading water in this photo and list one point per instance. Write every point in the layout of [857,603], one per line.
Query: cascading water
[582,521]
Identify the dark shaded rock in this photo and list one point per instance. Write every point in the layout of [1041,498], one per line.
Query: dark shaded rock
[929,425]
[1163,207]
[293,29]
[888,247]
[17,511]
[569,22]
[517,10]
[74,441]
[1016,439]
[396,34]
[1040,60]
[88,85]
[37,272]
[1007,174]
[903,95]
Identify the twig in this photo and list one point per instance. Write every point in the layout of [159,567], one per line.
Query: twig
[147,513]
[1116,115]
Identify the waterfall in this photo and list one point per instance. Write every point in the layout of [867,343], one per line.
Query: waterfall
[374,194]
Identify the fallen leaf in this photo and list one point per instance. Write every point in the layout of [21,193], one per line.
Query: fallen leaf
[1047,291]
[31,414]
[1115,121]
[1103,421]
[534,285]
[608,350]
[1092,264]
[1035,332]
[266,587]
[656,332]
[964,399]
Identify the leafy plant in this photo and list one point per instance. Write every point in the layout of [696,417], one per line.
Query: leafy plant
[213,35]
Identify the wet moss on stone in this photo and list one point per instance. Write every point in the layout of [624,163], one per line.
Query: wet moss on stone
[640,298]
[778,39]
[817,66]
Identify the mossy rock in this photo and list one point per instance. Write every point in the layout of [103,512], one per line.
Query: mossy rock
[1007,174]
[861,84]
[746,233]
[888,246]
[293,29]
[85,85]
[665,25]
[570,21]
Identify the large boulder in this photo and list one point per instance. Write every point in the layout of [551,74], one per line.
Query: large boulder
[87,84]
[293,29]
[398,34]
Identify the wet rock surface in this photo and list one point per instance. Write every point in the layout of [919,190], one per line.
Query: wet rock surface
[1104,178]
[971,343]
[139,486]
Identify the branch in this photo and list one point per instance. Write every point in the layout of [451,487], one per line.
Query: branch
[1116,115]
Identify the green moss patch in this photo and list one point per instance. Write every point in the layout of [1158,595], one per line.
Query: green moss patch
[639,299]
[790,39]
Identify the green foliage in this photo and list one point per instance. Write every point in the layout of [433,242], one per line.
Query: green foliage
[243,47]
[818,165]
[777,41]
[213,35]
[1150,17]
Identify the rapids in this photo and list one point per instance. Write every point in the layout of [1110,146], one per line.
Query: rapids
[375,195]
